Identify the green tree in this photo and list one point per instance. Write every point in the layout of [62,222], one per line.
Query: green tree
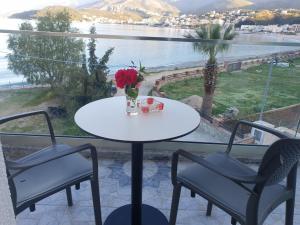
[211,32]
[93,59]
[98,69]
[45,60]
[91,82]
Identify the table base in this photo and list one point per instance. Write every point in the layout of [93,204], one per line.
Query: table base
[150,216]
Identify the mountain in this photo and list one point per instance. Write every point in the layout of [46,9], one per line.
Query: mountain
[197,6]
[154,10]
[74,13]
[117,10]
[144,8]
[31,14]
[275,4]
[24,15]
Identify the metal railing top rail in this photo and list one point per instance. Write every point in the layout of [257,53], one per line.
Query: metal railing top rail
[146,38]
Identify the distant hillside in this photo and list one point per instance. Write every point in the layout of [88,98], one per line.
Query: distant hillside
[24,15]
[222,5]
[74,13]
[136,10]
[119,16]
[145,8]
[197,6]
[266,17]
[275,4]
[121,10]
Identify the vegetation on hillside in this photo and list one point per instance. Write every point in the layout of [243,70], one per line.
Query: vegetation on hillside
[267,17]
[111,15]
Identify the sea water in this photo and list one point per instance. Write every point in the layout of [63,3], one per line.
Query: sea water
[153,54]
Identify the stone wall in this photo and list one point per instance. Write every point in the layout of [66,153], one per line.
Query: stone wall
[283,117]
[159,83]
[266,59]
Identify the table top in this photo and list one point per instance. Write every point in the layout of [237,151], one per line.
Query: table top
[107,119]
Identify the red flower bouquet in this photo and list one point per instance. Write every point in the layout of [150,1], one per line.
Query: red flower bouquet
[126,77]
[130,79]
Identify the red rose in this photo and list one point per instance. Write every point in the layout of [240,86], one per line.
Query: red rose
[132,75]
[121,78]
[126,77]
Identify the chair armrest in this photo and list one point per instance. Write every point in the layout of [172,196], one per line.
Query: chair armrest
[233,177]
[21,167]
[34,113]
[251,124]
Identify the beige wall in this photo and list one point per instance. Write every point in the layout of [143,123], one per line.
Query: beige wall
[7,216]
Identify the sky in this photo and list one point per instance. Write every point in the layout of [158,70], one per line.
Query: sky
[13,6]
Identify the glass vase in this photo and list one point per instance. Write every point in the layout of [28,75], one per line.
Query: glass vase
[131,106]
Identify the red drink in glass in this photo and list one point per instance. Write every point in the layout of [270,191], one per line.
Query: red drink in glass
[160,106]
[150,101]
[145,109]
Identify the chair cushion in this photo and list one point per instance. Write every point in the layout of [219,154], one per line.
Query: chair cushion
[49,176]
[225,193]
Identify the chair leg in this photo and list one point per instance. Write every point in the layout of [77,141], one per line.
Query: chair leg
[32,207]
[233,221]
[96,200]
[289,213]
[209,208]
[77,186]
[69,196]
[193,194]
[175,203]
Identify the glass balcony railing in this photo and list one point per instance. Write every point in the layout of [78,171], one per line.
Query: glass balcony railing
[255,77]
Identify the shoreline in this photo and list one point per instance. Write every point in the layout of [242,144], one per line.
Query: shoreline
[195,65]
[158,72]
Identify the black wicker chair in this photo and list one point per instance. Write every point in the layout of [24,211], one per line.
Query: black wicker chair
[246,195]
[50,170]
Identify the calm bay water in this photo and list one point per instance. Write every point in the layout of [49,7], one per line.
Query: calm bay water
[152,54]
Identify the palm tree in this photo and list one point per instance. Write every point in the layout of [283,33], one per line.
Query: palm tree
[211,32]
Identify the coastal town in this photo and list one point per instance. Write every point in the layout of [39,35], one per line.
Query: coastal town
[277,20]
[242,18]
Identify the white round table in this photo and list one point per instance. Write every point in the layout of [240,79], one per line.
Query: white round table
[107,119]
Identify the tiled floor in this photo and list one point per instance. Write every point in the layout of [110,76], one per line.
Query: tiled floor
[115,192]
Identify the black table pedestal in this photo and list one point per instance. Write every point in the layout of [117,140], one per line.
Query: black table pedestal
[136,213]
[150,216]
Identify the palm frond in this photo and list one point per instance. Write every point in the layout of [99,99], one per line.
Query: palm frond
[222,47]
[202,47]
[212,32]
[229,33]
[202,32]
[215,31]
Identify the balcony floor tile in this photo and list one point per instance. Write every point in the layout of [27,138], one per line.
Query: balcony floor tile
[115,191]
